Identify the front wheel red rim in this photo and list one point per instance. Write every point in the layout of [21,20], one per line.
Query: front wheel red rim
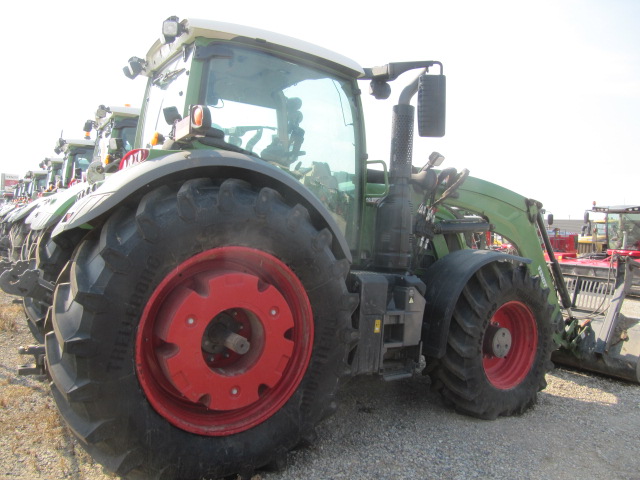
[224,341]
[519,323]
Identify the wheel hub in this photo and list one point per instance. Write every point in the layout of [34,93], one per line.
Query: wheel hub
[497,341]
[236,381]
[509,345]
[224,341]
[222,335]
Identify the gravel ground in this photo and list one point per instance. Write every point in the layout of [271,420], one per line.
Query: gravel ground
[584,426]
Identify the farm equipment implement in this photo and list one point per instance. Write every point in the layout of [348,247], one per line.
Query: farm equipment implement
[600,338]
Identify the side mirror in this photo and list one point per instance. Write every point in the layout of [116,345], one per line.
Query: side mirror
[88,126]
[59,146]
[435,159]
[171,115]
[102,111]
[133,69]
[550,219]
[586,217]
[432,91]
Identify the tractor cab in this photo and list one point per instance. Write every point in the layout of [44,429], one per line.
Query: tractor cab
[115,128]
[39,185]
[53,166]
[615,230]
[35,183]
[77,157]
[212,93]
[622,229]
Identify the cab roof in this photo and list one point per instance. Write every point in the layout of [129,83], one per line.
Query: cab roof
[125,111]
[617,209]
[193,28]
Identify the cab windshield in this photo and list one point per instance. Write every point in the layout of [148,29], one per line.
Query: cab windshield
[126,133]
[75,164]
[297,117]
[128,136]
[624,231]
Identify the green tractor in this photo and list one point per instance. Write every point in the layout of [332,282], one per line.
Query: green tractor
[249,257]
[54,167]
[115,128]
[29,197]
[23,238]
[43,258]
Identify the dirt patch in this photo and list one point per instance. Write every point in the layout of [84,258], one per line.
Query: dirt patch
[8,315]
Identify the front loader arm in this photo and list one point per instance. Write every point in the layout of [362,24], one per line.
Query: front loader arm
[510,215]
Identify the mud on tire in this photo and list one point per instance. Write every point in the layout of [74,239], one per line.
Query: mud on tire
[125,375]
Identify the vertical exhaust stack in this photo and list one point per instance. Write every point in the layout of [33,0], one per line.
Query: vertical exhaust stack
[393,221]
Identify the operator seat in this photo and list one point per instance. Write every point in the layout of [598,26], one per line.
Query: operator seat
[276,151]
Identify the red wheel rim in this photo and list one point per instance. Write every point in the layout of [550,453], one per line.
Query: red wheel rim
[509,371]
[224,341]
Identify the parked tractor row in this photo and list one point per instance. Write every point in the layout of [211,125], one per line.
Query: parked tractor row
[199,305]
[34,260]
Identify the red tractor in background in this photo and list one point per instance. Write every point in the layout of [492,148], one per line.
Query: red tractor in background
[622,239]
[602,339]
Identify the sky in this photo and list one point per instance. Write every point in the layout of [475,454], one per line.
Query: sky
[543,97]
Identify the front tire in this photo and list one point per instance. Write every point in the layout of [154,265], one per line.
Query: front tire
[18,234]
[499,344]
[201,333]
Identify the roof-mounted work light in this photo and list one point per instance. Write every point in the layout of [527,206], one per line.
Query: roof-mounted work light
[171,29]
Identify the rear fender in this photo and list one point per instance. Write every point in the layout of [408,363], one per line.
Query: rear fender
[54,207]
[445,280]
[135,181]
[24,211]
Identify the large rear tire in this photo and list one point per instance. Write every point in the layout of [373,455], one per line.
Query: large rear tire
[35,310]
[49,256]
[201,333]
[499,344]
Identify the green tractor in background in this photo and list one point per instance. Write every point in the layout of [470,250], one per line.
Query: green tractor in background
[249,257]
[82,169]
[29,196]
[115,128]
[58,176]
[53,168]
[18,277]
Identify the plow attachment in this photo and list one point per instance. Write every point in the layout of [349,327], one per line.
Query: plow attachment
[598,337]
